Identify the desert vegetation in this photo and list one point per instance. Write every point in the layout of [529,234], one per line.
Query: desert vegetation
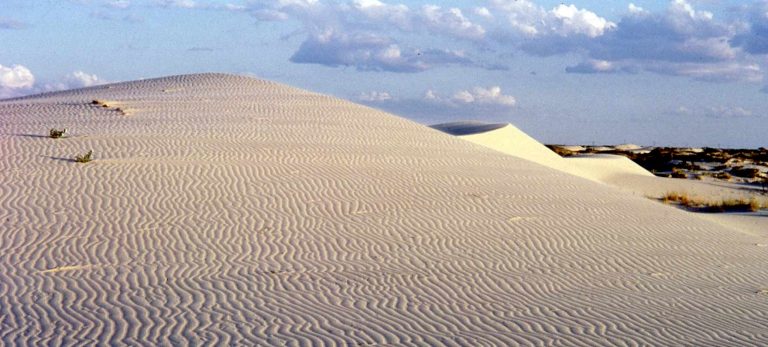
[55,133]
[101,103]
[724,205]
[104,104]
[84,158]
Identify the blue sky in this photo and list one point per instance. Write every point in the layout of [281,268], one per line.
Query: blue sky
[680,72]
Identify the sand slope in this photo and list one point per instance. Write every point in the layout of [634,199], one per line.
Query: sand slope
[508,139]
[227,210]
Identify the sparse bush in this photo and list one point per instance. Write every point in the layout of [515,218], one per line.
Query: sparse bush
[723,176]
[55,133]
[727,205]
[678,173]
[682,198]
[100,103]
[84,158]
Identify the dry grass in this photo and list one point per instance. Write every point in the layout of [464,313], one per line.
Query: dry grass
[84,158]
[56,134]
[725,205]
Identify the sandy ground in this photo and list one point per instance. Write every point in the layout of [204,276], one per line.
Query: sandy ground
[616,170]
[225,210]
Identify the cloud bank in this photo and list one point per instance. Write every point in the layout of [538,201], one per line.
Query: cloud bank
[18,80]
[372,35]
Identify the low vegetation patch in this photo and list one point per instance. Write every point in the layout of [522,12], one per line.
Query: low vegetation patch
[56,133]
[99,103]
[85,157]
[725,205]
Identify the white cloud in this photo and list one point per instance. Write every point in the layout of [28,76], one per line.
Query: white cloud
[15,81]
[484,96]
[597,66]
[450,21]
[634,9]
[375,96]
[526,18]
[370,52]
[478,96]
[178,3]
[79,79]
[373,10]
[74,80]
[477,102]
[579,21]
[483,12]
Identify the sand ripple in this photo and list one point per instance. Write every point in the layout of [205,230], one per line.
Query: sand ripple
[224,210]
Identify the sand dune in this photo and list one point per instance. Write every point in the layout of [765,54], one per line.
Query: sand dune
[225,210]
[506,138]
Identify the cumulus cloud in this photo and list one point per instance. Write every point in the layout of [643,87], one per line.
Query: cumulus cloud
[360,33]
[680,41]
[450,21]
[378,35]
[370,52]
[572,20]
[74,80]
[484,96]
[15,80]
[79,79]
[477,102]
[525,18]
[475,97]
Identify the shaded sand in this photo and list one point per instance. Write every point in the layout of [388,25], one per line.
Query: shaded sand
[232,211]
[605,167]
[657,187]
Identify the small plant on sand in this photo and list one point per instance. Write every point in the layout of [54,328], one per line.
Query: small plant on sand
[99,103]
[84,158]
[55,133]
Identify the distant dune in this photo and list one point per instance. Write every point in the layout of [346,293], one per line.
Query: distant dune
[508,139]
[226,210]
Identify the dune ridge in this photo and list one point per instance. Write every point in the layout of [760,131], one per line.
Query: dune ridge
[508,139]
[229,210]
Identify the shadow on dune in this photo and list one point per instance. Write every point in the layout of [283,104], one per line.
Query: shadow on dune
[69,160]
[30,135]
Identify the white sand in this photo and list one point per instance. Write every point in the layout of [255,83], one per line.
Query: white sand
[227,210]
[508,139]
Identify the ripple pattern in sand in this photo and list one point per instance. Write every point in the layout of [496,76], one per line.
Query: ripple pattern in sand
[224,210]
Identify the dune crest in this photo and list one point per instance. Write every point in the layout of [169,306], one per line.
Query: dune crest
[508,139]
[235,211]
